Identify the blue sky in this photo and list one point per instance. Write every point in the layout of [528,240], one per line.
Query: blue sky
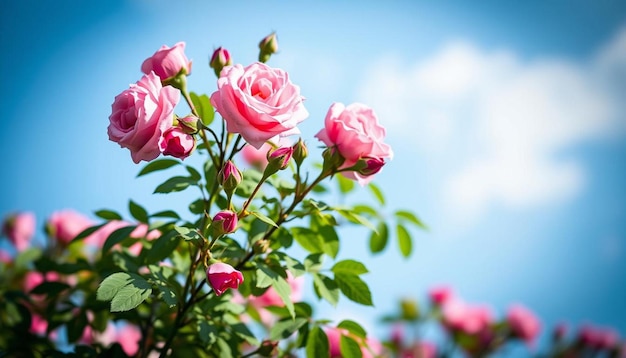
[507,121]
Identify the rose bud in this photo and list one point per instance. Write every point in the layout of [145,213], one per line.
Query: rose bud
[168,62]
[220,59]
[440,295]
[223,276]
[224,222]
[229,177]
[300,151]
[268,46]
[278,159]
[177,143]
[370,166]
[332,159]
[20,229]
[189,124]
[410,310]
[524,324]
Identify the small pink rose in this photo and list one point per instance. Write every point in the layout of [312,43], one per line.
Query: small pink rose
[223,276]
[141,115]
[355,132]
[470,319]
[177,143]
[280,157]
[229,176]
[168,62]
[20,229]
[440,295]
[65,225]
[524,324]
[258,102]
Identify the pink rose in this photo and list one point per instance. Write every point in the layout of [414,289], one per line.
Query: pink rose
[141,115]
[219,60]
[65,225]
[224,222]
[223,276]
[440,295]
[420,350]
[127,335]
[258,102]
[177,143]
[278,159]
[355,132]
[168,62]
[469,319]
[523,323]
[20,229]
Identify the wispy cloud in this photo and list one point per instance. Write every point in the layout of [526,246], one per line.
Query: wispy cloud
[501,123]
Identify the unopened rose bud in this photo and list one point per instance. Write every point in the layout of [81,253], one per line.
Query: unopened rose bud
[300,151]
[261,246]
[268,46]
[370,166]
[223,276]
[410,311]
[189,124]
[177,143]
[278,159]
[229,177]
[220,59]
[224,222]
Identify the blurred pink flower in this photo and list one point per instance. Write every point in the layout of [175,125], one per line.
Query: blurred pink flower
[65,225]
[20,229]
[420,350]
[440,295]
[127,335]
[256,158]
[5,257]
[523,323]
[470,319]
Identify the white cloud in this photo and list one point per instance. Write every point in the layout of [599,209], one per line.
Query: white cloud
[500,123]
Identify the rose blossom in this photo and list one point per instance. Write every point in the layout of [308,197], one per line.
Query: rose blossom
[440,295]
[20,229]
[523,323]
[470,319]
[177,143]
[223,276]
[141,115]
[258,102]
[65,225]
[355,132]
[168,62]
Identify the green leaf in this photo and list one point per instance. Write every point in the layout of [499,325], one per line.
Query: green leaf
[193,173]
[174,184]
[50,288]
[349,267]
[349,348]
[264,218]
[326,288]
[345,185]
[166,214]
[203,106]
[313,263]
[162,247]
[377,193]
[353,328]
[197,207]
[354,288]
[108,215]
[308,239]
[317,344]
[378,241]
[116,237]
[242,331]
[284,291]
[76,326]
[356,218]
[138,212]
[131,295]
[284,329]
[157,165]
[407,215]
[328,234]
[111,285]
[404,240]
[88,231]
[168,296]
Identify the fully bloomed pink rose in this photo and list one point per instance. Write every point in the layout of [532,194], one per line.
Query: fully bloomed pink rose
[141,115]
[65,225]
[355,132]
[168,62]
[258,102]
[223,276]
[523,323]
[20,229]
